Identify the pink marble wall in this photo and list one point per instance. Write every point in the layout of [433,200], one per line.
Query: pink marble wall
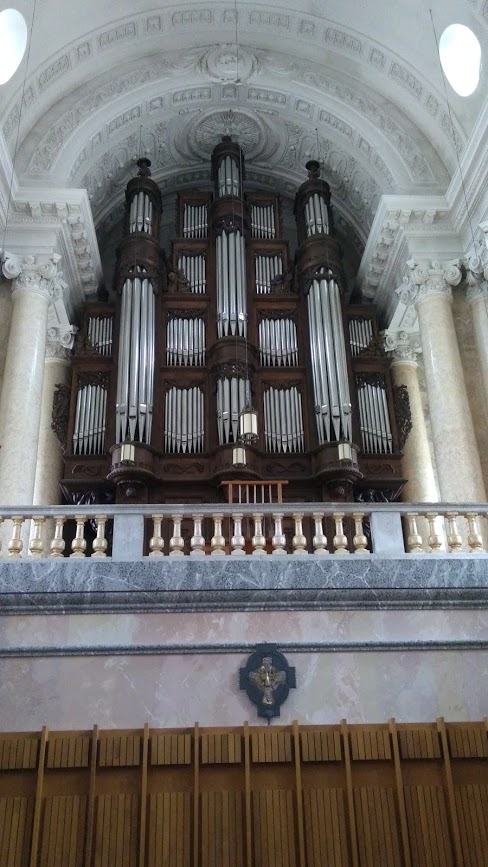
[179,689]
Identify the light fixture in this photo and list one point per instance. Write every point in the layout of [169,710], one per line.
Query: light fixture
[239,457]
[13,42]
[248,425]
[460,56]
[127,452]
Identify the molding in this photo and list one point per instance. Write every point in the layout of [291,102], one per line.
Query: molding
[216,648]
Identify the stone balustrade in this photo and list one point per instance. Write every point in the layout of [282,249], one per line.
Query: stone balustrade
[298,529]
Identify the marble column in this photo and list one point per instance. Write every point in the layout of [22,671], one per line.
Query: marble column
[457,459]
[35,281]
[477,295]
[417,465]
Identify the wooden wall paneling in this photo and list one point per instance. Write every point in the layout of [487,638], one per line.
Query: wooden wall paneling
[36,822]
[247,796]
[453,819]
[90,816]
[299,796]
[143,807]
[196,793]
[402,815]
[353,842]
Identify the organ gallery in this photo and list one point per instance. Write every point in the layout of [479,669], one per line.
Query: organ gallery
[226,357]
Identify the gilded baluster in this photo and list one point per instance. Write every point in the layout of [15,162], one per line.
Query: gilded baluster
[454,540]
[197,542]
[340,539]
[156,542]
[36,545]
[15,545]
[100,543]
[176,543]
[319,539]
[58,544]
[259,539]
[414,539]
[78,545]
[299,541]
[237,542]
[360,541]
[217,542]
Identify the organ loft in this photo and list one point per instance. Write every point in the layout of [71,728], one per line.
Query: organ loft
[224,359]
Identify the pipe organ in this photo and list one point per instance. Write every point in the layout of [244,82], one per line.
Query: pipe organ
[222,321]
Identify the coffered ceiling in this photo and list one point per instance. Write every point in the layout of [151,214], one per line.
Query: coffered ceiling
[356,84]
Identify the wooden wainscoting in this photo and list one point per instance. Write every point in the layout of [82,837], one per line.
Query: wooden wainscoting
[283,796]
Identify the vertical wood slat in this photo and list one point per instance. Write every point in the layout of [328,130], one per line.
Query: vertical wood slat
[14,831]
[407,858]
[169,831]
[349,795]
[196,792]
[62,832]
[299,796]
[454,824]
[247,796]
[325,828]
[116,838]
[36,823]
[143,805]
[90,817]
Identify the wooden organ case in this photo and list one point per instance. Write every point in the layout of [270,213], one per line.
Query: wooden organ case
[161,376]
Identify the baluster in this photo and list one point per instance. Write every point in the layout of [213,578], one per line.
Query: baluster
[414,539]
[217,542]
[100,543]
[156,542]
[475,540]
[453,538]
[278,541]
[319,539]
[299,540]
[340,539]
[176,543]
[359,541]
[78,545]
[237,542]
[197,541]
[434,540]
[259,539]
[15,545]
[58,544]
[36,545]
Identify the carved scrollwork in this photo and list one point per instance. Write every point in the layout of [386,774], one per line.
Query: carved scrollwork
[177,281]
[232,368]
[370,378]
[284,284]
[230,223]
[402,413]
[60,413]
[90,377]
[177,469]
[374,349]
[185,313]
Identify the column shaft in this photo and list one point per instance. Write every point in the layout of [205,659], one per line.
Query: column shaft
[49,455]
[457,458]
[416,461]
[20,405]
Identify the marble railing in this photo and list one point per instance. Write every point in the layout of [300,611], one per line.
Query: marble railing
[320,529]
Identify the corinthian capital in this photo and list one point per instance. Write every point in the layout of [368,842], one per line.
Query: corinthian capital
[424,281]
[401,345]
[60,340]
[38,273]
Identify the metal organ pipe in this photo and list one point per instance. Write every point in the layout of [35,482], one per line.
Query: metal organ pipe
[316,218]
[90,420]
[195,221]
[135,376]
[231,284]
[283,420]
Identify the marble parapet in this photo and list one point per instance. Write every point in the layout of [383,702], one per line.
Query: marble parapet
[243,583]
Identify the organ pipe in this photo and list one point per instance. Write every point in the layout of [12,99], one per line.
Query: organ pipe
[329,365]
[278,345]
[231,400]
[100,333]
[360,335]
[90,420]
[185,341]
[135,381]
[266,269]
[262,221]
[231,284]
[195,224]
[141,213]
[283,420]
[374,418]
[184,420]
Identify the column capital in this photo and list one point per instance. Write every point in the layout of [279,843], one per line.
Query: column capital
[35,273]
[477,269]
[60,340]
[402,346]
[426,281]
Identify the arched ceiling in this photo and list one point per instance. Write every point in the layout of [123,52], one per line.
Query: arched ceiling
[356,84]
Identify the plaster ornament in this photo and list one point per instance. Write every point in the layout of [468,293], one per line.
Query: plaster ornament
[229,63]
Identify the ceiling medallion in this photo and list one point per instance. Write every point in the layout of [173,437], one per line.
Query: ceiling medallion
[267,679]
[241,127]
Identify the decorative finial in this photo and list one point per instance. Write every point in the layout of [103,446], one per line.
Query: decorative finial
[144,170]
[313,169]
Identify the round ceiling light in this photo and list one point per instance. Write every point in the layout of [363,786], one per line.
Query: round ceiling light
[13,41]
[460,54]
